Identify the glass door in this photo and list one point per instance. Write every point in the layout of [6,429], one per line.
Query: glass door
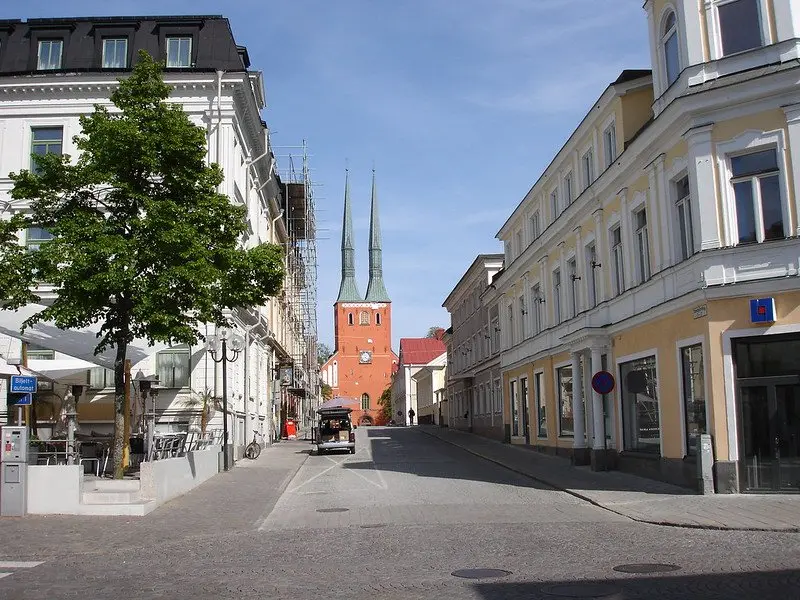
[770,410]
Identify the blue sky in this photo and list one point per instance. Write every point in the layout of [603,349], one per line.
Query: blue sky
[458,104]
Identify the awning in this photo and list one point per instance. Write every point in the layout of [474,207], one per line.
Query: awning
[77,343]
[60,368]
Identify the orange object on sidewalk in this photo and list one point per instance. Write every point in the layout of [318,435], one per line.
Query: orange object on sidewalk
[290,430]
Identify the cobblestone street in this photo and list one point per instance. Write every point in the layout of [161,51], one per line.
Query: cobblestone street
[392,521]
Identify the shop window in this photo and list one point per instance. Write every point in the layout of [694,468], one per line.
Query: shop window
[640,419]
[512,390]
[541,408]
[566,419]
[694,397]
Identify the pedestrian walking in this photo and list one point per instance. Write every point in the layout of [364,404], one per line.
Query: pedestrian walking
[411,414]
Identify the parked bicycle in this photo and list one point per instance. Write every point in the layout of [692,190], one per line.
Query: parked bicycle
[253,449]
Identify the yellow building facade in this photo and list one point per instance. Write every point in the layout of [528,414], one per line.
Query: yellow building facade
[657,257]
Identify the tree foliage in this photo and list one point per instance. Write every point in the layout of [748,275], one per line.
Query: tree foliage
[385,402]
[144,244]
[327,392]
[324,352]
[435,332]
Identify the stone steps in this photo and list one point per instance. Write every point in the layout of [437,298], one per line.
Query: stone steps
[114,497]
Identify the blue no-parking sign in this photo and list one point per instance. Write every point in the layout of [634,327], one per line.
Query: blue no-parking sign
[603,382]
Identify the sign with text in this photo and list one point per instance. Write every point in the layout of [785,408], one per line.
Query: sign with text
[23,384]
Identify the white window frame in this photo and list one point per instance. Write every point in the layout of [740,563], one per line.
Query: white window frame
[540,399]
[557,400]
[679,346]
[569,188]
[714,29]
[536,226]
[642,241]
[574,302]
[114,39]
[587,167]
[683,206]
[48,66]
[536,307]
[591,275]
[513,395]
[618,395]
[523,310]
[557,285]
[174,64]
[617,259]
[610,143]
[663,36]
[555,205]
[745,143]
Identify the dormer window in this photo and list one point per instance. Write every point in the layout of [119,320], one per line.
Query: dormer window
[739,26]
[49,55]
[669,40]
[179,51]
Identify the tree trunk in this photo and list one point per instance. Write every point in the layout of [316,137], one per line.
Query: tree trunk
[119,407]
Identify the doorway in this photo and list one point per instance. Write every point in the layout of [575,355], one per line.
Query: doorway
[768,398]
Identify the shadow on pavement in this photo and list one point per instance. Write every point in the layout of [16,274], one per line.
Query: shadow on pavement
[407,449]
[763,585]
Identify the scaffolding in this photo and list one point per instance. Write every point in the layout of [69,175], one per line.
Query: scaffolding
[300,299]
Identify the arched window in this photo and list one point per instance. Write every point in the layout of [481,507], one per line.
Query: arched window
[350,318]
[377,318]
[669,44]
[364,401]
[363,318]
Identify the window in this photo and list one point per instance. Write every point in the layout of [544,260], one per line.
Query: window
[35,352]
[536,230]
[684,208]
[568,191]
[363,318]
[554,204]
[36,236]
[566,422]
[511,325]
[739,26]
[364,401]
[617,266]
[377,318]
[350,320]
[572,269]
[669,42]
[557,296]
[756,187]
[522,319]
[524,404]
[536,299]
[179,52]
[519,242]
[101,378]
[694,397]
[591,282]
[610,144]
[115,53]
[541,415]
[514,408]
[45,140]
[588,168]
[172,367]
[49,57]
[640,420]
[642,245]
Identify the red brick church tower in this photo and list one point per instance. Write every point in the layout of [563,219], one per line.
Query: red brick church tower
[363,361]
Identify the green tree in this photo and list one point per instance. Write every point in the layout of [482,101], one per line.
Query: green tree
[143,242]
[324,352]
[435,332]
[385,402]
[327,392]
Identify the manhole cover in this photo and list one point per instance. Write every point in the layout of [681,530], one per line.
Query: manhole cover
[332,510]
[582,590]
[373,525]
[646,568]
[480,573]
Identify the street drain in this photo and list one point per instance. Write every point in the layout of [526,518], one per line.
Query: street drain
[373,525]
[480,573]
[332,510]
[582,590]
[646,568]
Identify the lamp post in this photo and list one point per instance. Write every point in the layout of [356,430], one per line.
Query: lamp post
[217,346]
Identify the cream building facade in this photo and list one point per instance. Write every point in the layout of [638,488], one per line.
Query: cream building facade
[430,384]
[660,246]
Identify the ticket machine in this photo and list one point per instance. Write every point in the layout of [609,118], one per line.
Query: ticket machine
[13,471]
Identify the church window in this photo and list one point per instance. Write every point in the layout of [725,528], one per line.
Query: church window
[363,318]
[364,401]
[350,318]
[377,318]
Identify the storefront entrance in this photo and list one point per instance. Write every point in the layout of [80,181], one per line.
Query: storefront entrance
[768,390]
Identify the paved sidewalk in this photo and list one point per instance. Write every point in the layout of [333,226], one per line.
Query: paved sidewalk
[638,498]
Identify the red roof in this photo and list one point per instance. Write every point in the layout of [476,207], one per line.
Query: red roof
[420,351]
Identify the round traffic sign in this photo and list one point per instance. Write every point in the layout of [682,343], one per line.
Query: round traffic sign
[603,382]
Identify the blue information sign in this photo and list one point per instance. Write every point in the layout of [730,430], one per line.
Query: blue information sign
[23,384]
[603,382]
[762,310]
[26,400]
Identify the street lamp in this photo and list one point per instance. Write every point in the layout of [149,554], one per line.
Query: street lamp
[218,345]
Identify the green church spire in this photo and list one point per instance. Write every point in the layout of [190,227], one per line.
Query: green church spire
[376,290]
[348,290]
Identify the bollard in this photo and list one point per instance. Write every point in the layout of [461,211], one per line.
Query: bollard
[705,464]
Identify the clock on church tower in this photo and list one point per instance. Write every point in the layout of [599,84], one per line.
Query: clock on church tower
[365,357]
